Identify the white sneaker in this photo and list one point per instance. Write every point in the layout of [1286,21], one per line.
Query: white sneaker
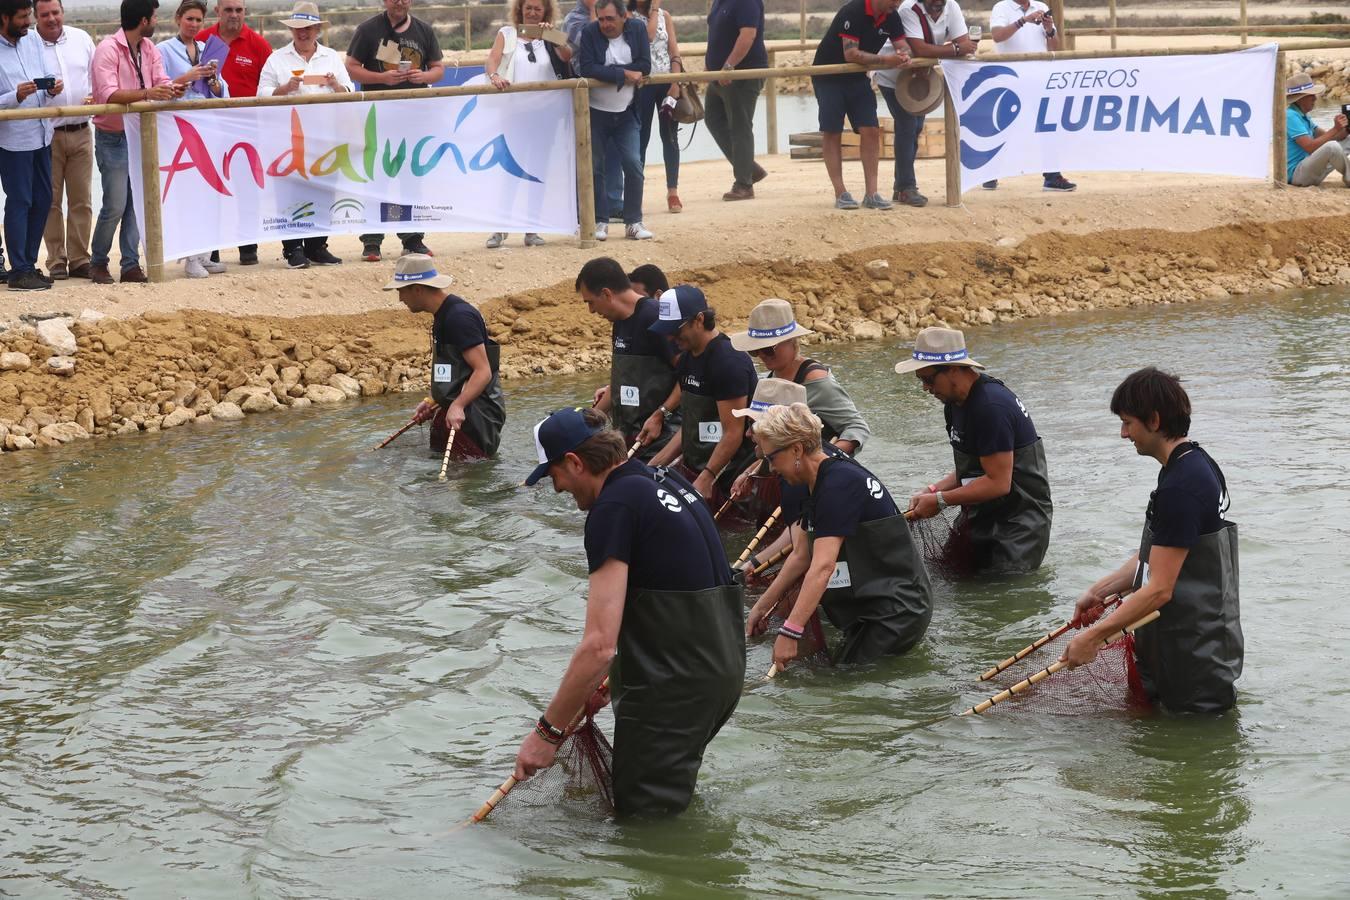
[498,238]
[601,231]
[638,232]
[215,268]
[193,268]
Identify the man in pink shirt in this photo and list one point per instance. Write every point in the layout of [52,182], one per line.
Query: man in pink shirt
[127,68]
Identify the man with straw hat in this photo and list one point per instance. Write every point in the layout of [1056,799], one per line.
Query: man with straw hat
[304,66]
[668,627]
[466,393]
[1000,479]
[1312,152]
[713,379]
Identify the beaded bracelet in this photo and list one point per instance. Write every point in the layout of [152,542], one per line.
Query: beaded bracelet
[548,732]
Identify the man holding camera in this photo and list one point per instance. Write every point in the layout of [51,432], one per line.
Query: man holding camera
[127,68]
[1312,152]
[1026,26]
[25,144]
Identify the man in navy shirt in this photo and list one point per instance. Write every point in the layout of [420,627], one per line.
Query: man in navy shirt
[466,393]
[663,617]
[736,41]
[1186,567]
[859,30]
[1000,479]
[642,372]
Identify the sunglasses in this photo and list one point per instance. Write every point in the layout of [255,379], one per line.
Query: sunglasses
[929,379]
[768,457]
[529,49]
[766,351]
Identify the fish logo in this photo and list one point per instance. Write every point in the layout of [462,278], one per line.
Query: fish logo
[988,115]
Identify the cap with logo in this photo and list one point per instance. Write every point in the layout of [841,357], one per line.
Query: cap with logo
[936,346]
[677,306]
[418,268]
[558,435]
[772,392]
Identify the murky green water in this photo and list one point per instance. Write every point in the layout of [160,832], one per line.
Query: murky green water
[261,660]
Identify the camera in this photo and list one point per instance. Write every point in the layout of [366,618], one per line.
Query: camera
[45,83]
[1345,110]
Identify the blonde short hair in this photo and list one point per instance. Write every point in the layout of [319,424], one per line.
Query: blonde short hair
[779,426]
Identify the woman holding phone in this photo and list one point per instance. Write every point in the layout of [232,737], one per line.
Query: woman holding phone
[520,54]
[183,63]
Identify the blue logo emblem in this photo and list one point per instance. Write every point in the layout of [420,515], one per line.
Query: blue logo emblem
[989,114]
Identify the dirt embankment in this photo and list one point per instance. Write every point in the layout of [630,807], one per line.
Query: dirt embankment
[163,370]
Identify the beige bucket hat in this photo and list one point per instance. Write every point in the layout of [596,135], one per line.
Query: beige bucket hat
[771,322]
[938,347]
[417,268]
[303,15]
[772,392]
[1300,85]
[919,90]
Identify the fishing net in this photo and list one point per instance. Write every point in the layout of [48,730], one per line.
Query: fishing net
[581,772]
[813,648]
[944,541]
[1109,683]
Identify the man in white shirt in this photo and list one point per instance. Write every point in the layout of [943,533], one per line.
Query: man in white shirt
[935,29]
[1026,26]
[67,235]
[304,66]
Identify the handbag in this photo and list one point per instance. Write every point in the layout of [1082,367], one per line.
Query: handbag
[688,106]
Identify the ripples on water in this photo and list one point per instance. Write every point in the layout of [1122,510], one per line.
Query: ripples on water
[263,660]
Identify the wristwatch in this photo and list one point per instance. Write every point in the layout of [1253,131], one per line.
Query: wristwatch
[941,502]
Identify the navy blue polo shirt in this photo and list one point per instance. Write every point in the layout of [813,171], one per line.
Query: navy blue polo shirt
[992,420]
[1185,504]
[459,324]
[845,496]
[856,23]
[725,21]
[793,496]
[721,371]
[631,337]
[663,531]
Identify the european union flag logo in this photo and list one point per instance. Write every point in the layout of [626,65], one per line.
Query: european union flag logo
[395,212]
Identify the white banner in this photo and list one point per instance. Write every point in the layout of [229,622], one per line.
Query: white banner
[246,176]
[1208,114]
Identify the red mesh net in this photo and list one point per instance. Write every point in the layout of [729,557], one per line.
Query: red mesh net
[1109,682]
[581,772]
[944,541]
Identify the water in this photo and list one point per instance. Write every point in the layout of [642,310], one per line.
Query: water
[262,660]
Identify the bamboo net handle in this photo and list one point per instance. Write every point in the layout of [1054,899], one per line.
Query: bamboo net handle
[773,670]
[981,708]
[445,460]
[505,788]
[773,560]
[1039,643]
[389,440]
[717,515]
[759,536]
[634,449]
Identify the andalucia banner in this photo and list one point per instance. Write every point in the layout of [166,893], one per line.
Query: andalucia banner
[1197,113]
[477,164]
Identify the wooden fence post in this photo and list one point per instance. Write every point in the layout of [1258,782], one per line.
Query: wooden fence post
[771,106]
[154,219]
[1278,146]
[1242,20]
[1112,9]
[581,119]
[951,142]
[803,21]
[468,28]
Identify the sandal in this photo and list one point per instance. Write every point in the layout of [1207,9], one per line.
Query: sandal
[673,203]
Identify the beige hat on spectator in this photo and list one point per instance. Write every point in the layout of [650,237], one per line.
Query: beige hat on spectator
[938,347]
[919,91]
[771,322]
[1301,85]
[418,268]
[303,15]
[772,392]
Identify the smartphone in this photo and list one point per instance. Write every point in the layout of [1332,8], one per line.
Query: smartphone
[531,31]
[45,83]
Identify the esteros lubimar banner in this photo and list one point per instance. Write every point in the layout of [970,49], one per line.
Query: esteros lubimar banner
[476,164]
[1197,113]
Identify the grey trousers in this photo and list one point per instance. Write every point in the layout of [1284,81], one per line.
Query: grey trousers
[1314,170]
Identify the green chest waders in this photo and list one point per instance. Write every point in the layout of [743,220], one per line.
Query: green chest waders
[1012,533]
[1190,657]
[637,386]
[486,415]
[700,431]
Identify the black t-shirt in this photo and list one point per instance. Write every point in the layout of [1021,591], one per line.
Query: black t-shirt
[726,18]
[459,324]
[417,45]
[992,420]
[721,372]
[1186,502]
[631,337]
[846,495]
[855,23]
[793,496]
[663,531]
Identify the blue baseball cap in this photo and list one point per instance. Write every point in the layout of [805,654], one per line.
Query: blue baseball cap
[678,305]
[562,432]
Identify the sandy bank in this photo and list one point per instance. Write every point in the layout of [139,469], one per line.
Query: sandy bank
[267,338]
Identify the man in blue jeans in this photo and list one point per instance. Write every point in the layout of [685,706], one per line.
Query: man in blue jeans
[615,49]
[25,145]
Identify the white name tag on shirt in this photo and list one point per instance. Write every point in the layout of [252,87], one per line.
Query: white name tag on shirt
[1141,573]
[709,432]
[442,373]
[840,578]
[628,395]
[966,481]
